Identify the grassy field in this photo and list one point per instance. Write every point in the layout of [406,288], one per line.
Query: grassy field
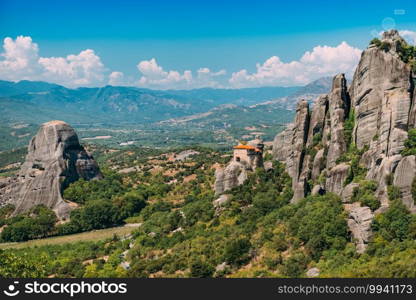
[94,235]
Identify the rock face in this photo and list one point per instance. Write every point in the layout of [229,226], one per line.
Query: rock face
[359,223]
[403,179]
[234,174]
[313,272]
[54,160]
[324,126]
[380,109]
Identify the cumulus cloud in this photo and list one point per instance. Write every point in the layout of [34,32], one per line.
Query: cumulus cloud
[84,69]
[154,76]
[22,61]
[321,61]
[409,35]
[116,78]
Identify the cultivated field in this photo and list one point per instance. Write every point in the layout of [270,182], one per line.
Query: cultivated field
[94,235]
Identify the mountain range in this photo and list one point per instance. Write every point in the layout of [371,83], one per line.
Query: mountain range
[37,102]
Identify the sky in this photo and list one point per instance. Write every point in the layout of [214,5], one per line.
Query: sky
[191,44]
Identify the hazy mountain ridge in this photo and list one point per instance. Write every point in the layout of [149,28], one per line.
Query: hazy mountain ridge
[43,101]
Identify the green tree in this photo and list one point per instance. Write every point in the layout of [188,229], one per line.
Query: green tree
[237,251]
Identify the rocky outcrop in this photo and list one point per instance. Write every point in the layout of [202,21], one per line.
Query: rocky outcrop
[54,160]
[336,178]
[339,106]
[322,129]
[289,147]
[313,272]
[348,192]
[234,174]
[246,158]
[359,223]
[380,109]
[403,178]
[381,99]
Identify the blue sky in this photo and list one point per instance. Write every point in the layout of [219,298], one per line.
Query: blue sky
[175,39]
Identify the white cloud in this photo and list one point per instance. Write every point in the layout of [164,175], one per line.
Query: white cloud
[84,69]
[22,61]
[409,36]
[154,76]
[116,78]
[321,61]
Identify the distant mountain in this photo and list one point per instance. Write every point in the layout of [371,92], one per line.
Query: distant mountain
[37,102]
[309,92]
[245,96]
[8,88]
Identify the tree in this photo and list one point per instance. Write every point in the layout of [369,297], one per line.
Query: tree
[396,223]
[410,143]
[237,251]
[200,269]
[21,266]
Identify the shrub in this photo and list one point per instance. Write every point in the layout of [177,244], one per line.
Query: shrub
[237,251]
[295,265]
[318,221]
[21,266]
[95,215]
[396,223]
[349,127]
[393,192]
[410,143]
[414,190]
[200,269]
[375,41]
[385,46]
[365,194]
[37,223]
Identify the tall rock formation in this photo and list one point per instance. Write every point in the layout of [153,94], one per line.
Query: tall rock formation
[246,158]
[55,159]
[380,109]
[316,140]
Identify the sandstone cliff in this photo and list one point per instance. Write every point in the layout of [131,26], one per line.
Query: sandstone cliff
[355,134]
[54,160]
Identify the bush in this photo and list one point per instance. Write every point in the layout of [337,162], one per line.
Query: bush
[385,46]
[396,223]
[295,265]
[200,269]
[414,190]
[393,192]
[37,223]
[365,194]
[375,41]
[349,127]
[97,214]
[237,251]
[83,191]
[5,212]
[21,266]
[319,221]
[410,143]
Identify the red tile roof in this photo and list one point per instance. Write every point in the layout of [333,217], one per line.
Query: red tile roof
[247,147]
